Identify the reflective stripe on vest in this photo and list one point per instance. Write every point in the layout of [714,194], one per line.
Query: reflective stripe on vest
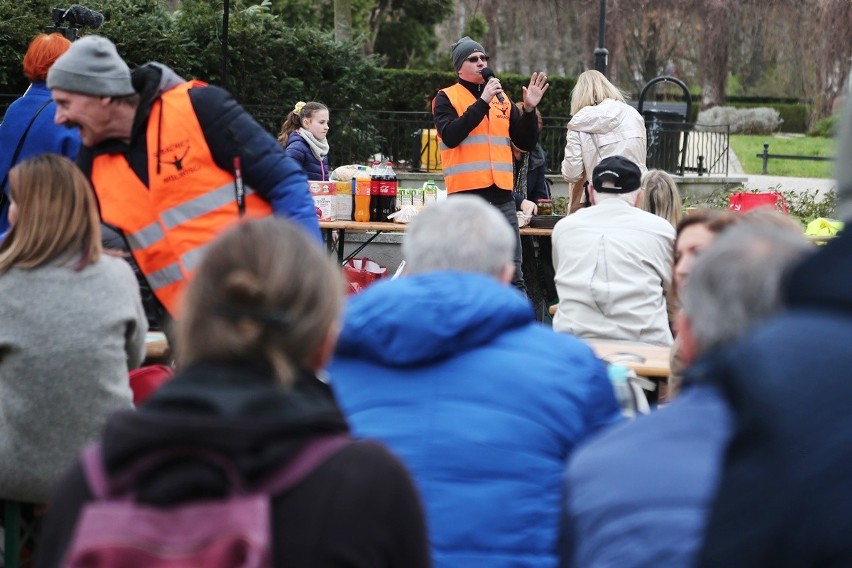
[484,158]
[185,206]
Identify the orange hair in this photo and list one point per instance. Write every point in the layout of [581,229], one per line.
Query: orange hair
[44,49]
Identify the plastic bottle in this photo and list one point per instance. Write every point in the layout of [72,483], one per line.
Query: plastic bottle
[430,192]
[376,178]
[442,194]
[362,201]
[618,376]
[387,193]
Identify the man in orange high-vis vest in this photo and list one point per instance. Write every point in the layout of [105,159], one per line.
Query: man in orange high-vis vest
[173,162]
[476,122]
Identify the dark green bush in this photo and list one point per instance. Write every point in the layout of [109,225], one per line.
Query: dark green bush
[826,127]
[413,90]
[805,206]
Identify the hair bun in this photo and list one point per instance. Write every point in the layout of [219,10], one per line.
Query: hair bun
[243,288]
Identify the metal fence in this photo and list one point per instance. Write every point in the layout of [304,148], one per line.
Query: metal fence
[408,140]
[682,148]
[359,136]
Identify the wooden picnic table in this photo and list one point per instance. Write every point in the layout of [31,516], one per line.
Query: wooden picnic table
[327,227]
[646,359]
[156,345]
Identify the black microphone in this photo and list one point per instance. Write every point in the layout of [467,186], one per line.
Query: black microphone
[487,74]
[78,15]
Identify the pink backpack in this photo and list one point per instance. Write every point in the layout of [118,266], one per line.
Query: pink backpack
[115,530]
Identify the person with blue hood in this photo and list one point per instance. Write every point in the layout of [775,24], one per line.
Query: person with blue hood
[438,366]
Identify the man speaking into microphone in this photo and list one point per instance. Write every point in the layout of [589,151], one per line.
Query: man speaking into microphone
[476,122]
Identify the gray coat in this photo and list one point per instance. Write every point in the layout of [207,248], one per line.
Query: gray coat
[67,340]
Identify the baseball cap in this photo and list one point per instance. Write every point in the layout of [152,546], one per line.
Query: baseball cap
[624,173]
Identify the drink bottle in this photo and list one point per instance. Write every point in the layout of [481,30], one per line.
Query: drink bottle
[618,376]
[430,192]
[388,186]
[362,201]
[375,186]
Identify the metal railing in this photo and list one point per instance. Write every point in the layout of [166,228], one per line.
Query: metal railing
[765,155]
[359,136]
[681,147]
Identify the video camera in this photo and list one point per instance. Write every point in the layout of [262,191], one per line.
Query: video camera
[75,17]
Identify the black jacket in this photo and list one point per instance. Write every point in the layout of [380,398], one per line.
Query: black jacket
[358,509]
[523,129]
[784,494]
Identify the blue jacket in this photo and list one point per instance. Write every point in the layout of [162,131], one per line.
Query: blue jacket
[783,498]
[44,135]
[230,131]
[639,495]
[482,403]
[299,150]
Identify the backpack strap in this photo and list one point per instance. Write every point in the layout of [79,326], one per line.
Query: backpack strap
[93,468]
[104,486]
[315,452]
[310,457]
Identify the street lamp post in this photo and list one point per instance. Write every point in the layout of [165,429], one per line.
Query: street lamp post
[224,60]
[601,52]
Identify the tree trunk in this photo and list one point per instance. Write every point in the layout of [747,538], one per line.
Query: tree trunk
[834,45]
[715,43]
[343,20]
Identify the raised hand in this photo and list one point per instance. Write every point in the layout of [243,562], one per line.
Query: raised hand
[535,91]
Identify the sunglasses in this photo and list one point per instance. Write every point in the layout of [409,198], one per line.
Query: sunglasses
[475,58]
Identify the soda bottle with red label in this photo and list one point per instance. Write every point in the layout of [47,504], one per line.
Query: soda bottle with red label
[376,178]
[387,192]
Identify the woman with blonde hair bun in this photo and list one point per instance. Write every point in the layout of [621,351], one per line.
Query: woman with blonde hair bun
[260,322]
[602,125]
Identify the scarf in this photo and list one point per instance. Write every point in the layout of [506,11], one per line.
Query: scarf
[319,149]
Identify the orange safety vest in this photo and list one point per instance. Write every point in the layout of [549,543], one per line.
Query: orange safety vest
[484,158]
[186,204]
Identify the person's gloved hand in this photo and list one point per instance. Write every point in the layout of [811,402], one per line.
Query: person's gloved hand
[528,207]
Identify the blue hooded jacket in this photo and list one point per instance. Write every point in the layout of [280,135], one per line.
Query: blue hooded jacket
[481,402]
[640,494]
[298,149]
[43,137]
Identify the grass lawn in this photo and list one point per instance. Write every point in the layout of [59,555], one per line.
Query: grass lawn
[747,146]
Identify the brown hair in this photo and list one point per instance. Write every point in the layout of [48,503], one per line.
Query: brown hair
[293,121]
[264,291]
[715,220]
[44,49]
[57,215]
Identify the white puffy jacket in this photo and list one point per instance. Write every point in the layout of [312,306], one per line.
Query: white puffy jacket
[610,128]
